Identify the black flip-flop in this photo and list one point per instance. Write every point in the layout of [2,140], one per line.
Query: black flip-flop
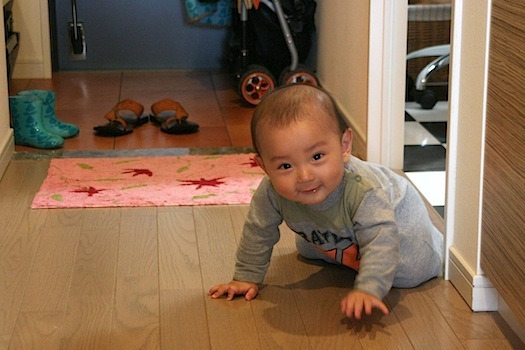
[172,118]
[117,128]
[175,126]
[122,124]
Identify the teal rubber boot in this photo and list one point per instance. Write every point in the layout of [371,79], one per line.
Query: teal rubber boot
[26,115]
[49,118]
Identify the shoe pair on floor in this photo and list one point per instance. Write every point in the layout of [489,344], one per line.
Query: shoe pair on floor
[34,120]
[128,114]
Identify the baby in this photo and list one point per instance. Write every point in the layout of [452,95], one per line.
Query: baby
[344,210]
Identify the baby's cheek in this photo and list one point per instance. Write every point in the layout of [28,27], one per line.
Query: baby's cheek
[284,189]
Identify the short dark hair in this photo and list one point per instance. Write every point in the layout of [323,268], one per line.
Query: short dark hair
[288,104]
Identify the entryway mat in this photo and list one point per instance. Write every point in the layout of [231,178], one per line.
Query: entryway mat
[149,181]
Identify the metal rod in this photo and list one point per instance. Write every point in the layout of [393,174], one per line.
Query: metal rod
[287,35]
[244,40]
[74,10]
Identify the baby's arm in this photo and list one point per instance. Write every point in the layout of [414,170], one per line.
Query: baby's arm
[356,301]
[260,233]
[248,289]
[378,239]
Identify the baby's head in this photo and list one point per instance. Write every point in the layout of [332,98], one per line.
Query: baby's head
[293,104]
[302,142]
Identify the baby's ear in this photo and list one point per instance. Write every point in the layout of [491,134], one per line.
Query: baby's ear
[346,144]
[259,161]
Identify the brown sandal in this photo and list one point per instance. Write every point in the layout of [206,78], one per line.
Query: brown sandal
[172,118]
[120,123]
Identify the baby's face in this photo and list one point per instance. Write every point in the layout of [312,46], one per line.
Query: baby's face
[305,160]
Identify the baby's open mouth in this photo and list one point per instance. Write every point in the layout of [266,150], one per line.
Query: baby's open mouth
[313,190]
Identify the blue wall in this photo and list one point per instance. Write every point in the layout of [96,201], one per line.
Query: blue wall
[139,34]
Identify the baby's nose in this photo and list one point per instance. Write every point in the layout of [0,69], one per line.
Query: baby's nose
[305,174]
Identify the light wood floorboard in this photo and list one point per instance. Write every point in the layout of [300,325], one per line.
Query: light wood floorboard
[136,311]
[137,278]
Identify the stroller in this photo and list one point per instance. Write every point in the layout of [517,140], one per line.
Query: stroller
[275,38]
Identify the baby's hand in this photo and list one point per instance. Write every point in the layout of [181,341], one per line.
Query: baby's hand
[248,289]
[355,301]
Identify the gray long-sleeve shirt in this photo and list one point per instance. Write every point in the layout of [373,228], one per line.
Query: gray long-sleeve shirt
[374,222]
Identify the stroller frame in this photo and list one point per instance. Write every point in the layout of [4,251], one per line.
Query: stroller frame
[255,80]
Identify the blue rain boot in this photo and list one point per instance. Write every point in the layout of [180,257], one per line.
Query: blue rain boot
[26,115]
[49,118]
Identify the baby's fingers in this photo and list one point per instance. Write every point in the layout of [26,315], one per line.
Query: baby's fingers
[367,305]
[381,306]
[232,291]
[213,290]
[358,309]
[217,291]
[347,307]
[250,294]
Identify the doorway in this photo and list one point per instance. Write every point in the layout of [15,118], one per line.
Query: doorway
[426,107]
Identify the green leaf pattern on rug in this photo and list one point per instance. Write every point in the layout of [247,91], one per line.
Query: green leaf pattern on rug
[126,161]
[85,166]
[58,197]
[203,196]
[109,179]
[183,169]
[135,186]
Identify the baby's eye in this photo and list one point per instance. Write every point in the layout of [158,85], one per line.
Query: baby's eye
[318,156]
[284,166]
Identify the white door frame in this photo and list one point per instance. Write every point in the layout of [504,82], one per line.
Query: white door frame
[387,79]
[386,83]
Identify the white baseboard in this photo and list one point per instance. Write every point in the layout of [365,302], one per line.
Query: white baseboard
[7,148]
[476,289]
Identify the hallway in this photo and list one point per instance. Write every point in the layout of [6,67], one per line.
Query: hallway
[210,98]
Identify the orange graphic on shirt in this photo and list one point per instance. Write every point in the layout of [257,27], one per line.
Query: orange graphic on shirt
[350,256]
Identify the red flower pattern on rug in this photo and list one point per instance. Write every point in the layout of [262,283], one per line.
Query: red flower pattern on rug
[136,172]
[203,182]
[252,163]
[89,190]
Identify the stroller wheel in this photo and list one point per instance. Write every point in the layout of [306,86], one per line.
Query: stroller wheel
[427,99]
[301,75]
[255,82]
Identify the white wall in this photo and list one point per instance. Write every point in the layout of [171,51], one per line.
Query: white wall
[31,19]
[366,77]
[465,153]
[342,61]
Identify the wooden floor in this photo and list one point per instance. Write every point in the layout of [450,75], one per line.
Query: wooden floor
[136,278]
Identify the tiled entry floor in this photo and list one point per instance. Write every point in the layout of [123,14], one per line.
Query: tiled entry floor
[425,150]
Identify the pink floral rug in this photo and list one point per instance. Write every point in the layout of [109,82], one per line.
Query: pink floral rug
[149,181]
